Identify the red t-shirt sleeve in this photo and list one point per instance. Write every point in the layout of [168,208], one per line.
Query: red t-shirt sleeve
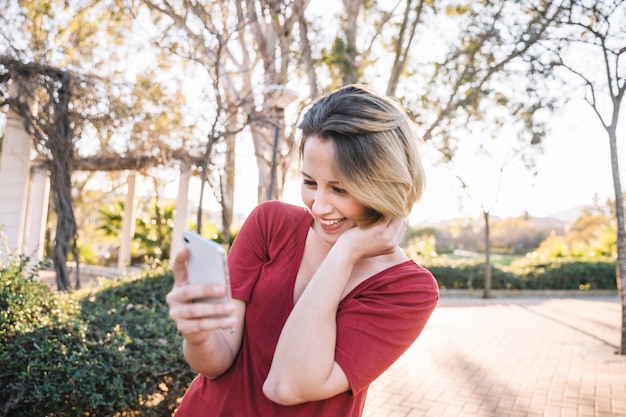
[267,234]
[376,326]
[247,255]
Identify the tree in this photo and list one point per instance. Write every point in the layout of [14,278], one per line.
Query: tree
[231,45]
[404,41]
[44,39]
[521,235]
[344,57]
[468,89]
[41,96]
[596,28]
[470,93]
[366,29]
[590,235]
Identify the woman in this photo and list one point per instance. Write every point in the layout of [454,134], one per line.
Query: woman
[324,299]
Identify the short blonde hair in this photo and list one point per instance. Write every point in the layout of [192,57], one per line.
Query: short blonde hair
[376,149]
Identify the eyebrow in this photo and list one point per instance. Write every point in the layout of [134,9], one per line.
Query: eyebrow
[310,177]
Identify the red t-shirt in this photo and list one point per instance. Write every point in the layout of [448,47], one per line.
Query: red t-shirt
[376,322]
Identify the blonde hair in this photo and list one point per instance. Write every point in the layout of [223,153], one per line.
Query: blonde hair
[376,149]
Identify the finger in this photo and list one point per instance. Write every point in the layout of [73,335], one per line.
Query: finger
[189,327]
[180,267]
[391,223]
[200,310]
[186,294]
[401,230]
[197,317]
[400,225]
[397,226]
[394,230]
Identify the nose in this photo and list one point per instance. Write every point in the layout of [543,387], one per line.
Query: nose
[322,204]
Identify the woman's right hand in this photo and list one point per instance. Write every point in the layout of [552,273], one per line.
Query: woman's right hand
[196,320]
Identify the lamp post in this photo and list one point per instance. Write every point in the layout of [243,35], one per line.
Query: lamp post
[278,97]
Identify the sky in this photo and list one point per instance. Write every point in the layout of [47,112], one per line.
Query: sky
[574,168]
[572,171]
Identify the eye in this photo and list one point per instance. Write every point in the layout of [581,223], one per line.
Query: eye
[339,190]
[309,183]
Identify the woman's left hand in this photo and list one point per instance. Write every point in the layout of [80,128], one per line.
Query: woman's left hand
[383,237]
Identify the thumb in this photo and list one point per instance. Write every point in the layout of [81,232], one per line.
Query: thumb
[180,267]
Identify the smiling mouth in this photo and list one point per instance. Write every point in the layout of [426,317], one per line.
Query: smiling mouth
[331,222]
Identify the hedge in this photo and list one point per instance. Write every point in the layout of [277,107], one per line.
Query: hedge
[528,274]
[111,352]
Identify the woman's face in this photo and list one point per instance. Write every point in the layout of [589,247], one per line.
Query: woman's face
[334,210]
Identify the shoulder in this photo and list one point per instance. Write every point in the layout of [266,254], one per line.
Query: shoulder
[418,278]
[411,273]
[272,220]
[278,207]
[405,283]
[278,211]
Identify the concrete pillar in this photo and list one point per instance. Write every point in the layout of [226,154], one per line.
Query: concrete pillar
[15,167]
[180,216]
[128,223]
[37,215]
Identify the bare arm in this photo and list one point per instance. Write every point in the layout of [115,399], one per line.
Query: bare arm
[304,367]
[209,345]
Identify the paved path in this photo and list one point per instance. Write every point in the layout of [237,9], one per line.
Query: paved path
[517,357]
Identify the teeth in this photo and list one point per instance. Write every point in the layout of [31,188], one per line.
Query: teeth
[331,222]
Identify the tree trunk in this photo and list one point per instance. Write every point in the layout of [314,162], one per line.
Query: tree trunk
[307,56]
[487,289]
[272,39]
[350,70]
[620,265]
[402,46]
[203,179]
[595,26]
[66,224]
[76,253]
[62,149]
[228,189]
[262,136]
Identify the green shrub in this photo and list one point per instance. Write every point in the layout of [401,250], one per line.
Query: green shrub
[470,273]
[567,274]
[559,274]
[109,352]
[454,274]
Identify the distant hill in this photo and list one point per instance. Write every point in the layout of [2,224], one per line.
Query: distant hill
[555,220]
[507,235]
[574,213]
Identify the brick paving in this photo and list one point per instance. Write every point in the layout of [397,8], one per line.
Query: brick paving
[510,357]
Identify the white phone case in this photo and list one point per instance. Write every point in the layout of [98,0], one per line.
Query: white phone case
[207,264]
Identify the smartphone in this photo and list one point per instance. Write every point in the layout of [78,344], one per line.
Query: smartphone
[207,264]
